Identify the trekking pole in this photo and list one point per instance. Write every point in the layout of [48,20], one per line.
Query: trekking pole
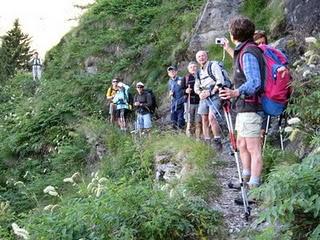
[280,130]
[188,111]
[227,113]
[266,133]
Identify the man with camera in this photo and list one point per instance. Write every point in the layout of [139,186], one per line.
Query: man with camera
[249,72]
[209,105]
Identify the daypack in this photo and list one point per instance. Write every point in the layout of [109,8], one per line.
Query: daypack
[154,105]
[277,85]
[227,81]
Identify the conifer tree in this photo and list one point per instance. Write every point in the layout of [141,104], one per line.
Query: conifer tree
[15,51]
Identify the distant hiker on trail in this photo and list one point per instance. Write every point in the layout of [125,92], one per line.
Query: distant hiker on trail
[121,99]
[111,92]
[209,76]
[142,102]
[249,72]
[192,104]
[36,66]
[177,93]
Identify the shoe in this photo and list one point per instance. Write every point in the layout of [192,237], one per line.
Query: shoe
[239,201]
[217,144]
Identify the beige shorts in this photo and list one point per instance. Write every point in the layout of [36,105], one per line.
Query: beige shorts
[248,124]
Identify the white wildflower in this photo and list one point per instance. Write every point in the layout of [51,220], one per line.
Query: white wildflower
[68,180]
[102,180]
[48,208]
[26,174]
[311,40]
[75,175]
[293,121]
[288,129]
[53,193]
[48,189]
[172,193]
[20,232]
[99,191]
[19,183]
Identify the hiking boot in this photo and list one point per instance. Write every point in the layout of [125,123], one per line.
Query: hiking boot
[237,185]
[217,144]
[239,201]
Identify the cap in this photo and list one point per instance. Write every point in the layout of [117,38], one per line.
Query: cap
[115,80]
[171,68]
[140,84]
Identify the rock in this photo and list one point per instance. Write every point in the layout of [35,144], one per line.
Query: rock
[91,65]
[162,159]
[212,23]
[306,73]
[303,16]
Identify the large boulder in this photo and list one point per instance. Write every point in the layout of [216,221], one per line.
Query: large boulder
[303,16]
[212,23]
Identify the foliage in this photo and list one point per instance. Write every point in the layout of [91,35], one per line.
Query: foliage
[274,158]
[126,212]
[291,196]
[266,14]
[15,51]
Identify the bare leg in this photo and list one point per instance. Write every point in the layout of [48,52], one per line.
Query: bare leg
[254,148]
[205,126]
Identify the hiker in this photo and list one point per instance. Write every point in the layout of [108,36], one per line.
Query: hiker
[121,99]
[36,66]
[142,102]
[209,76]
[249,73]
[177,94]
[260,38]
[111,92]
[192,104]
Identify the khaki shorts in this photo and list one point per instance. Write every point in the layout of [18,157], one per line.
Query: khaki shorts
[248,124]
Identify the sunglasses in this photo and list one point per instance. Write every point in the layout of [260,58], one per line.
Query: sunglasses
[140,87]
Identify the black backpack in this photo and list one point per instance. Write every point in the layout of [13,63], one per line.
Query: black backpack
[227,81]
[154,104]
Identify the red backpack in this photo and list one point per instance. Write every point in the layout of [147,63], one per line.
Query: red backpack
[277,85]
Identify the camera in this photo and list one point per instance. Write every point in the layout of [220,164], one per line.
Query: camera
[219,41]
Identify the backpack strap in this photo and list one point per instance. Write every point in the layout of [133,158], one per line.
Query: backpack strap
[209,69]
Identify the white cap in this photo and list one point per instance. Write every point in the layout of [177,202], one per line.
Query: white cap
[140,84]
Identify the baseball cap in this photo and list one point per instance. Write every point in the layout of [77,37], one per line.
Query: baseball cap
[171,68]
[139,84]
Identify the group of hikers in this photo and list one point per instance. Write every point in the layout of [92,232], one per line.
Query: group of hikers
[198,97]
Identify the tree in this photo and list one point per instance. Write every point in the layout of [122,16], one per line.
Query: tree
[15,51]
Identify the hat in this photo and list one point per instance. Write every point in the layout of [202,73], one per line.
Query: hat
[140,84]
[171,68]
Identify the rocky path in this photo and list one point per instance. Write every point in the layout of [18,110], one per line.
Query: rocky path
[233,214]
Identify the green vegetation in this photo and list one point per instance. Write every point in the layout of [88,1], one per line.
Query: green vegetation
[291,198]
[14,52]
[51,133]
[268,15]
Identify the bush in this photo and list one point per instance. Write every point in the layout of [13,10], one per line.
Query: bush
[127,212]
[291,197]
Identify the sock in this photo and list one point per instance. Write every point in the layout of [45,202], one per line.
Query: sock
[254,181]
[217,137]
[246,173]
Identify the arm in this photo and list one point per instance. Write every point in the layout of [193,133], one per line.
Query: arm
[196,87]
[251,70]
[227,47]
[108,94]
